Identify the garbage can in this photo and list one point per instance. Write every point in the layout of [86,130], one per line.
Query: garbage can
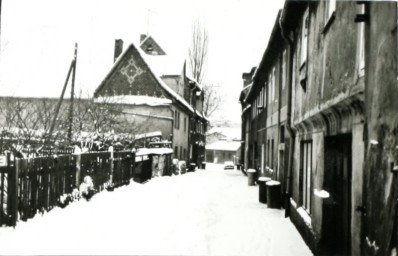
[251,175]
[273,194]
[204,165]
[182,166]
[238,166]
[175,166]
[262,190]
[192,167]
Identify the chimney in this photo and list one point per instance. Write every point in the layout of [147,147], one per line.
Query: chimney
[118,48]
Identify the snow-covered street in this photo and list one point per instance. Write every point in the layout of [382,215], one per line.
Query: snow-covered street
[208,212]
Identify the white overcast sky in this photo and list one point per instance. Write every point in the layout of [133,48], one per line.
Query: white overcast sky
[37,40]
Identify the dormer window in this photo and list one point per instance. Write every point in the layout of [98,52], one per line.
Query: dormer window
[149,48]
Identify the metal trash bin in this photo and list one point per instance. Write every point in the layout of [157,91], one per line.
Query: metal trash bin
[182,166]
[251,175]
[175,166]
[204,165]
[273,194]
[192,167]
[238,166]
[262,190]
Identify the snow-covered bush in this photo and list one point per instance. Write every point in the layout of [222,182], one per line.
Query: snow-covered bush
[87,188]
[109,186]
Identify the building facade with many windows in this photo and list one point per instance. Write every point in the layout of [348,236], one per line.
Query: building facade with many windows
[323,122]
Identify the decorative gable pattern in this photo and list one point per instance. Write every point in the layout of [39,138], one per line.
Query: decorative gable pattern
[130,76]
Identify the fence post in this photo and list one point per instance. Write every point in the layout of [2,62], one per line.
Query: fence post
[78,167]
[111,164]
[12,197]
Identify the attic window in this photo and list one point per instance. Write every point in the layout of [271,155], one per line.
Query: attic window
[149,48]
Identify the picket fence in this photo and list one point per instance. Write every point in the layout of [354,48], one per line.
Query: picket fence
[35,185]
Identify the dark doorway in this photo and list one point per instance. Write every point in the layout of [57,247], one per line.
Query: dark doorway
[337,181]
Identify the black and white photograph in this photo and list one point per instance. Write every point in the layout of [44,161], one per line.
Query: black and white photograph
[185,127]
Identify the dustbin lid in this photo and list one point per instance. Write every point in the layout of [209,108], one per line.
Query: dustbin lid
[264,179]
[273,183]
[251,170]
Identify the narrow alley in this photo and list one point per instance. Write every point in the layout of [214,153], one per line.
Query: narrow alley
[208,212]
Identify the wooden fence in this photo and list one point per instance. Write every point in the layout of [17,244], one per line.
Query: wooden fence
[34,185]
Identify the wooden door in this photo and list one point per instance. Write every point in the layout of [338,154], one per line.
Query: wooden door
[338,183]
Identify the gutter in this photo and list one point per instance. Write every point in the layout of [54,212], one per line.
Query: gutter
[292,135]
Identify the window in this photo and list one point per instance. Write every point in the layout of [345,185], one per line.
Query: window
[272,154]
[269,88]
[283,69]
[304,38]
[361,43]
[176,152]
[185,125]
[185,153]
[282,134]
[262,158]
[306,175]
[265,93]
[180,152]
[268,154]
[273,83]
[177,119]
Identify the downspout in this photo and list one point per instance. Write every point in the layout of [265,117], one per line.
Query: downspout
[292,135]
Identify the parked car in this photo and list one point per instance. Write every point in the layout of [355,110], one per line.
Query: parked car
[229,165]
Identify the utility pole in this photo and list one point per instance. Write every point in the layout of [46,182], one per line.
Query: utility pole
[72,67]
[72,95]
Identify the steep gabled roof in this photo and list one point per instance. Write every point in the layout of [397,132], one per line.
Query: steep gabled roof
[275,41]
[149,41]
[180,100]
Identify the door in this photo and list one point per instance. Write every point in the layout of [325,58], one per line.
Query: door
[337,181]
[262,158]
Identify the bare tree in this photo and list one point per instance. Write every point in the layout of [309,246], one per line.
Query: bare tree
[26,122]
[212,99]
[198,50]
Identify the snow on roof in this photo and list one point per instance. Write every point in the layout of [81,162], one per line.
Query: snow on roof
[196,82]
[201,115]
[165,65]
[224,145]
[148,134]
[246,108]
[146,38]
[160,81]
[156,151]
[247,86]
[144,56]
[136,100]
[229,132]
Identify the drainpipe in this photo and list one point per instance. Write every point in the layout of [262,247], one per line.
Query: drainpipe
[292,135]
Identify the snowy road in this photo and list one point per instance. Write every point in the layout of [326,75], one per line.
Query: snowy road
[210,212]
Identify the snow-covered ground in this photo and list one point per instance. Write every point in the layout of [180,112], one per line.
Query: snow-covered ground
[209,212]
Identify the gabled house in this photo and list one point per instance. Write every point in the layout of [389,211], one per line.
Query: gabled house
[157,95]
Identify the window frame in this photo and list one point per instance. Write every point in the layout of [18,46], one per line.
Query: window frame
[361,42]
[283,69]
[304,38]
[305,187]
